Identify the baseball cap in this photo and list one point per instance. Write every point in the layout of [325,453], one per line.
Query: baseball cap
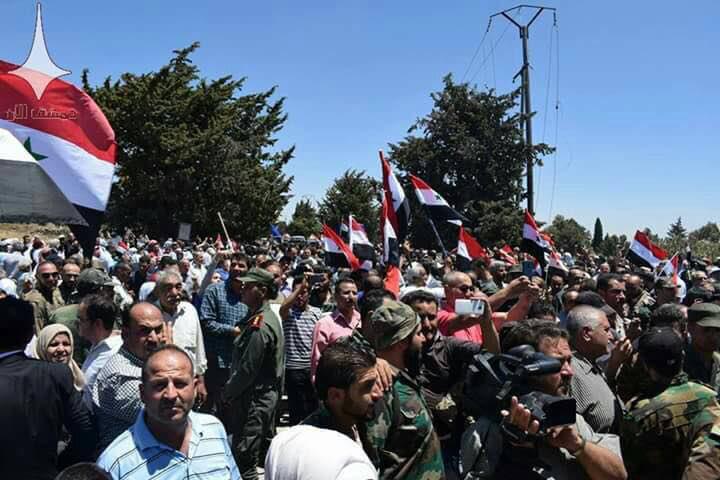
[662,349]
[259,276]
[705,314]
[93,277]
[392,323]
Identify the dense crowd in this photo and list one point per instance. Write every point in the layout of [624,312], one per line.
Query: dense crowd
[178,359]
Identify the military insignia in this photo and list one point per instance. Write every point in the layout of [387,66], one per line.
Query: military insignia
[256,321]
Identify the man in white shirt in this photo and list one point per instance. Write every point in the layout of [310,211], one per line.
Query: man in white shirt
[96,317]
[182,324]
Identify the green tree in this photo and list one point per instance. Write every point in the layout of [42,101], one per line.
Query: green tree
[190,147]
[677,230]
[705,241]
[613,246]
[677,238]
[353,193]
[470,149]
[568,234]
[597,234]
[305,220]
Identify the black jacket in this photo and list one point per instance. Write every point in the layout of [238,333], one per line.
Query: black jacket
[38,399]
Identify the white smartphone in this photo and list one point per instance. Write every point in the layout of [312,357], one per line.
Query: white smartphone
[473,306]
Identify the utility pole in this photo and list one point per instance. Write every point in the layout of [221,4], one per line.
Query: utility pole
[525,107]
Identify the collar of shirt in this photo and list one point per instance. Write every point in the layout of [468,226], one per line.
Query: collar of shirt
[105,342]
[679,379]
[354,322]
[135,360]
[144,438]
[171,317]
[586,364]
[7,354]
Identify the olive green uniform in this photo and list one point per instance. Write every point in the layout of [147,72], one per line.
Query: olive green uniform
[254,386]
[44,304]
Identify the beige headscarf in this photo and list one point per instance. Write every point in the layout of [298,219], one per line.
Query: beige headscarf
[47,335]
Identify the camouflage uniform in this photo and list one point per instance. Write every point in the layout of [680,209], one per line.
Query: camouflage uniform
[254,386]
[704,455]
[401,439]
[697,370]
[655,432]
[44,304]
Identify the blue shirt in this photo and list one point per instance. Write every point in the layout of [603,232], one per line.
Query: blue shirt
[137,455]
[220,312]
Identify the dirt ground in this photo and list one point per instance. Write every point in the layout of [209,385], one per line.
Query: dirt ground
[46,231]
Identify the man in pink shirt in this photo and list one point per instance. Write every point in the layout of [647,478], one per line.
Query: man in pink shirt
[465,327]
[340,323]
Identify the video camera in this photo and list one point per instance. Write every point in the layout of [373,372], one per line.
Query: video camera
[492,380]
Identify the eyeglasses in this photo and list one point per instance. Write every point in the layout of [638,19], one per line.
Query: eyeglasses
[51,274]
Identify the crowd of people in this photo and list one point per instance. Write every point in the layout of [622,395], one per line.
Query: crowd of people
[180,359]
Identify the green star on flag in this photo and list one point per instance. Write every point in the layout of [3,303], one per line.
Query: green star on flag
[28,147]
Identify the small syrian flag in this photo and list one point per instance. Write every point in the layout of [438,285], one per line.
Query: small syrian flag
[670,268]
[391,246]
[643,252]
[337,253]
[506,254]
[469,249]
[70,138]
[554,261]
[533,241]
[359,243]
[398,205]
[437,208]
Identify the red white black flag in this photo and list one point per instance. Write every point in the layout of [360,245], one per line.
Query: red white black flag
[645,253]
[398,211]
[337,253]
[435,205]
[469,249]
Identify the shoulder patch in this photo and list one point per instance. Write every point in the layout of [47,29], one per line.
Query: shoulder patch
[256,321]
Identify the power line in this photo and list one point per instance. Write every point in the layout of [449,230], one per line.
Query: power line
[492,52]
[477,50]
[545,111]
[557,116]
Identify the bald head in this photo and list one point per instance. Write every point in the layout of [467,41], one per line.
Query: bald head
[143,329]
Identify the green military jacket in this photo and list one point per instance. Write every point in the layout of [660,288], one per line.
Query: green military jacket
[258,355]
[44,304]
[698,371]
[704,455]
[401,440]
[655,433]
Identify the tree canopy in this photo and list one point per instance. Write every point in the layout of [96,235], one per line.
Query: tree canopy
[356,193]
[568,234]
[305,220]
[470,149]
[597,234]
[190,147]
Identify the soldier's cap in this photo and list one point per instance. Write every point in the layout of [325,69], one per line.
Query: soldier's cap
[665,282]
[259,276]
[662,349]
[94,278]
[705,314]
[392,323]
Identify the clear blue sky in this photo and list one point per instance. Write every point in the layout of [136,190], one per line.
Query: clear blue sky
[637,142]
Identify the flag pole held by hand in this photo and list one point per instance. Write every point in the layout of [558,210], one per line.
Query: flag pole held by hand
[230,244]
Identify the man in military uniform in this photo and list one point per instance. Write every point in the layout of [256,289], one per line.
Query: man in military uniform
[256,374]
[704,455]
[655,431]
[400,439]
[46,296]
[702,360]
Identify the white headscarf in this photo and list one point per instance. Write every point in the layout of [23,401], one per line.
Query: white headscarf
[9,287]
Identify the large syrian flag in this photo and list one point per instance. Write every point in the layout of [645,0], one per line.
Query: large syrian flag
[644,253]
[437,208]
[469,249]
[391,246]
[359,243]
[398,212]
[69,137]
[533,241]
[337,252]
[669,268]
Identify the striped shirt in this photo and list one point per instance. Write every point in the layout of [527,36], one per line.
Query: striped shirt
[138,455]
[594,400]
[220,312]
[298,328]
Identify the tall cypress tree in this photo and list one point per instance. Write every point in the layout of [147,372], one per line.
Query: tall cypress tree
[597,235]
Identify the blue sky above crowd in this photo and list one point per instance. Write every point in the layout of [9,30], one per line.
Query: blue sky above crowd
[637,110]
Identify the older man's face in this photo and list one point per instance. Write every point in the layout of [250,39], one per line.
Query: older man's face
[556,383]
[168,392]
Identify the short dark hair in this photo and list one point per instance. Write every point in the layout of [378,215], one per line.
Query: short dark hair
[99,307]
[83,471]
[144,259]
[340,364]
[373,300]
[590,298]
[146,366]
[419,295]
[603,281]
[531,332]
[239,257]
[667,314]
[342,280]
[17,323]
[539,309]
[166,261]
[121,266]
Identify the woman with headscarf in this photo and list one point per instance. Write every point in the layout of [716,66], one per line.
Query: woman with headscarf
[7,288]
[55,344]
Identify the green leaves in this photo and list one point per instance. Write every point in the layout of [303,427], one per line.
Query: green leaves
[190,147]
[353,193]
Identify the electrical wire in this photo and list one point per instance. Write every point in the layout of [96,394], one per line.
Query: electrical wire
[557,114]
[538,187]
[477,50]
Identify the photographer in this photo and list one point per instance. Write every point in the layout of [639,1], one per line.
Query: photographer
[572,451]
